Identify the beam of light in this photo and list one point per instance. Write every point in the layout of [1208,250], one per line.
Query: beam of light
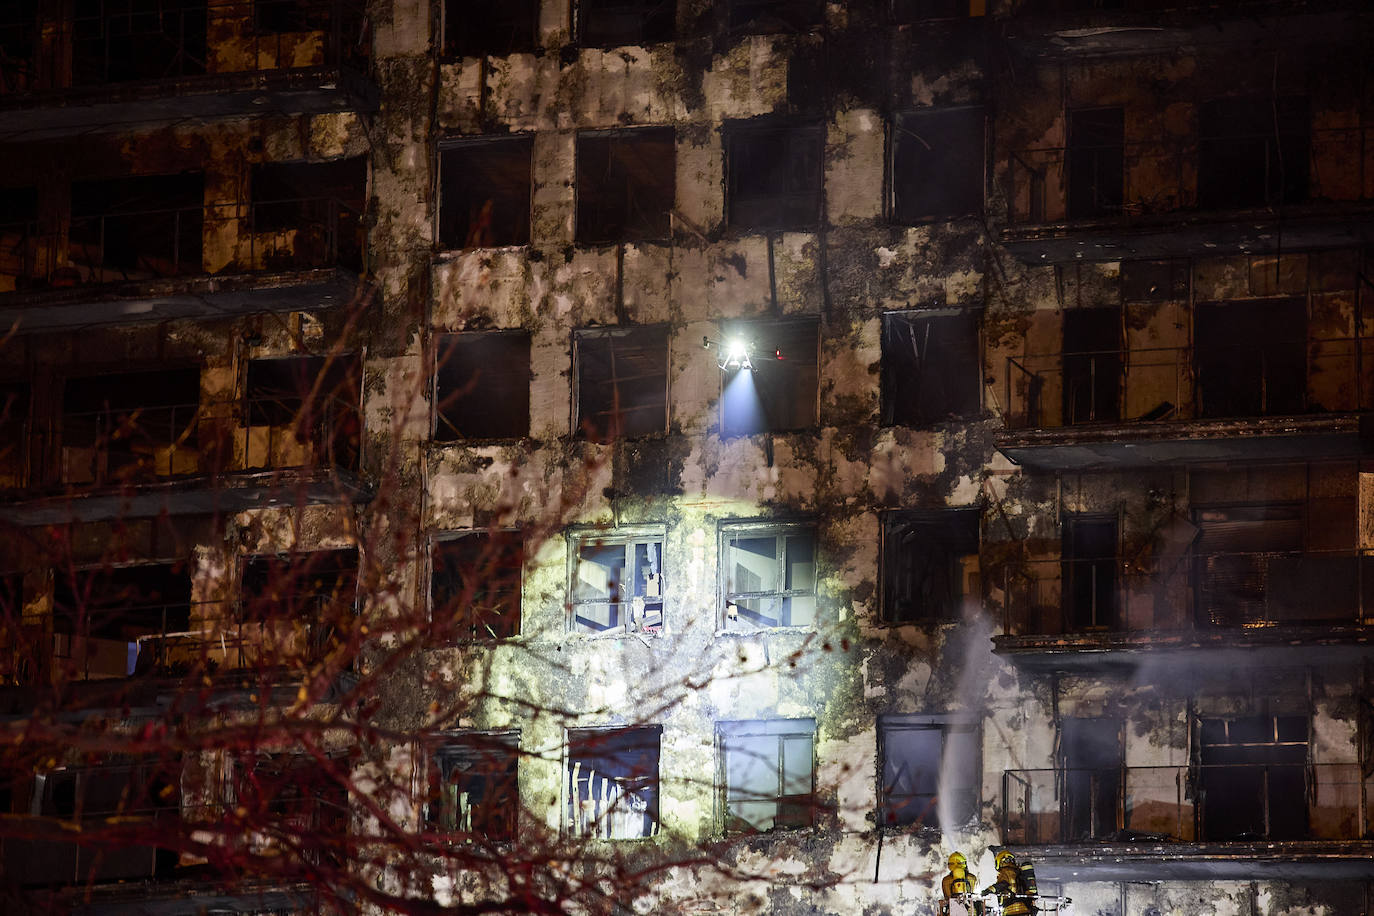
[736,354]
[741,405]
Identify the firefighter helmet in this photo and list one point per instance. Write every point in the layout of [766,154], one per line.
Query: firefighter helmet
[957,860]
[1005,858]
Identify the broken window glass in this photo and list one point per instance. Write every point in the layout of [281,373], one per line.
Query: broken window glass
[484,192]
[930,771]
[617,582]
[1090,573]
[315,208]
[475,583]
[930,564]
[613,782]
[130,424]
[302,408]
[626,183]
[770,576]
[937,164]
[932,367]
[1251,357]
[768,766]
[474,787]
[1096,162]
[1254,779]
[118,40]
[136,228]
[611,23]
[1253,152]
[476,28]
[1093,365]
[773,174]
[482,386]
[778,391]
[622,382]
[115,621]
[769,16]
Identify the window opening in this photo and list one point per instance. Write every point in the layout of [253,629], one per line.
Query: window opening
[626,182]
[136,228]
[1093,365]
[908,11]
[302,408]
[1090,571]
[116,621]
[1254,778]
[774,395]
[484,191]
[932,367]
[299,796]
[1253,152]
[612,23]
[1096,162]
[1251,357]
[617,583]
[285,16]
[767,16]
[920,758]
[18,46]
[613,782]
[482,386]
[315,210]
[937,164]
[768,766]
[1093,756]
[774,175]
[303,602]
[131,423]
[770,576]
[114,41]
[476,29]
[474,786]
[930,564]
[622,382]
[475,585]
[14,438]
[20,266]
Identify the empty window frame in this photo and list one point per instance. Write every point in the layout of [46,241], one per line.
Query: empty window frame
[769,575]
[276,17]
[932,367]
[622,382]
[476,28]
[626,182]
[779,392]
[930,564]
[1094,365]
[1253,152]
[774,174]
[1254,782]
[616,581]
[1090,565]
[475,582]
[14,434]
[20,258]
[1250,357]
[906,11]
[309,592]
[484,191]
[298,795]
[137,228]
[1096,162]
[117,40]
[18,45]
[482,386]
[613,782]
[116,621]
[474,787]
[931,768]
[303,401]
[768,770]
[316,206]
[768,16]
[611,23]
[937,164]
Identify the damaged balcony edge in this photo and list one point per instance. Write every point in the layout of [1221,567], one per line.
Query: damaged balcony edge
[1293,859]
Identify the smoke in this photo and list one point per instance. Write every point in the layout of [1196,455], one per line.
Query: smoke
[961,770]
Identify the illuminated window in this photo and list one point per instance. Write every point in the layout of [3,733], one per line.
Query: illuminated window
[768,768]
[773,174]
[779,392]
[475,585]
[613,782]
[617,582]
[482,386]
[622,382]
[769,575]
[930,564]
[915,752]
[474,787]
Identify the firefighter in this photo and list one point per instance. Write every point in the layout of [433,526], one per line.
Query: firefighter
[959,882]
[1015,886]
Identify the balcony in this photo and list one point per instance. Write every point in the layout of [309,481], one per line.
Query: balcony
[132,265]
[1202,822]
[146,457]
[1232,193]
[92,65]
[1186,606]
[1293,399]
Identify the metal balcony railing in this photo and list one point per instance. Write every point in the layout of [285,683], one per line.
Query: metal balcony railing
[1211,803]
[1172,175]
[157,243]
[1173,384]
[49,45]
[1199,590]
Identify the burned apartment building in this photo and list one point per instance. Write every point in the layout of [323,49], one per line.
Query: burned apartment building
[789,440]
